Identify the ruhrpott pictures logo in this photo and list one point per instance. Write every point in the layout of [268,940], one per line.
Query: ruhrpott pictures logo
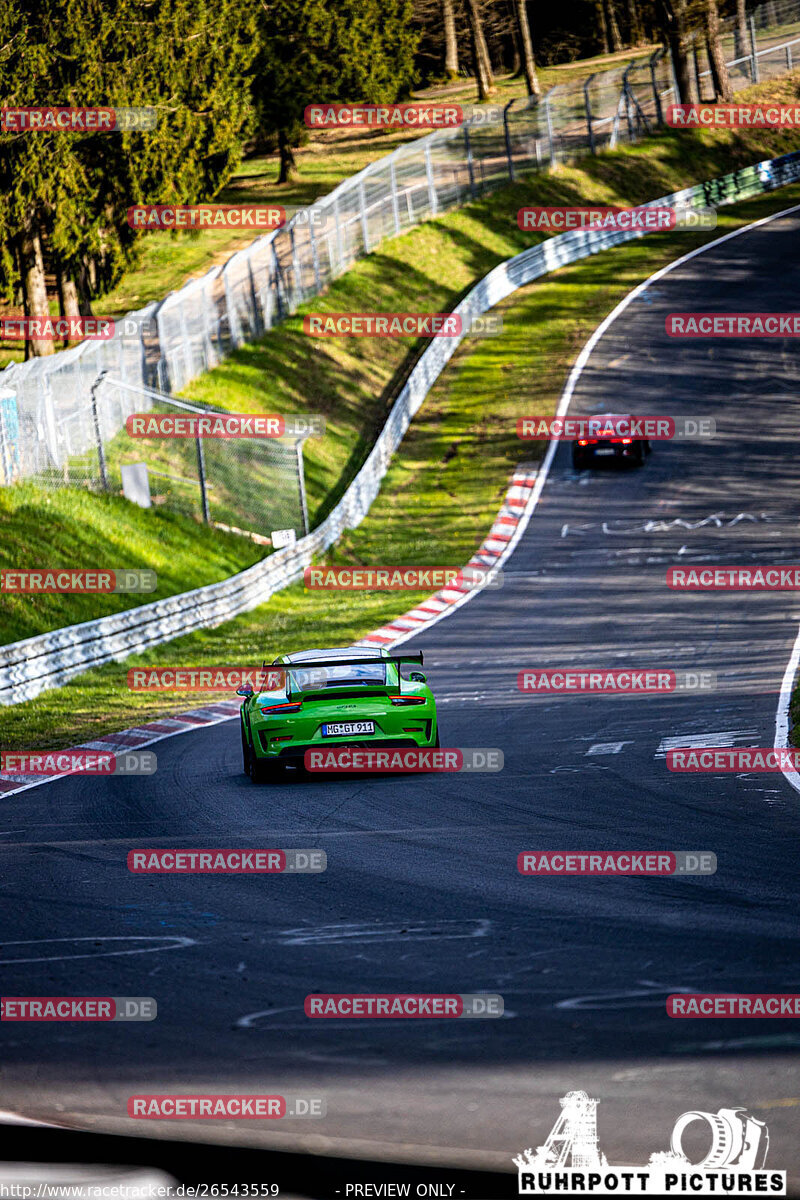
[571,1163]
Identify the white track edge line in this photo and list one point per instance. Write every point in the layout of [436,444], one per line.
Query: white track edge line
[159,737]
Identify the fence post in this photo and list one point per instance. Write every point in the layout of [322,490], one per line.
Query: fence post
[588,106]
[507,131]
[101,454]
[186,347]
[296,271]
[432,199]
[468,150]
[549,119]
[395,204]
[362,205]
[301,483]
[696,60]
[753,49]
[673,76]
[314,256]
[201,472]
[339,238]
[654,80]
[789,56]
[278,277]
[258,323]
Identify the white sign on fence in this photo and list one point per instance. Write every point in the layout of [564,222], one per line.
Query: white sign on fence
[283,537]
[136,484]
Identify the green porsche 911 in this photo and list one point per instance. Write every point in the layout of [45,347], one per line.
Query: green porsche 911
[345,697]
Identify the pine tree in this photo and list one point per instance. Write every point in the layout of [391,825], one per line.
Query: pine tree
[312,52]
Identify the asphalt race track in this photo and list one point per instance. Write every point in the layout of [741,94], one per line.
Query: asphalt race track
[422,891]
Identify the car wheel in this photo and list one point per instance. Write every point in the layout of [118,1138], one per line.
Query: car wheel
[245,753]
[264,770]
[638,456]
[578,459]
[437,743]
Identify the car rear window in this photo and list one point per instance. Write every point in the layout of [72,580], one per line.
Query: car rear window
[353,674]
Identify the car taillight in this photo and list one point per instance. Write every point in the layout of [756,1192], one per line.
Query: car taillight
[281,708]
[583,442]
[408,700]
[627,441]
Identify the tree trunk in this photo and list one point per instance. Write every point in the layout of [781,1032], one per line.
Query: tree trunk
[716,59]
[740,39]
[613,27]
[85,289]
[634,24]
[483,67]
[603,24]
[531,78]
[673,23]
[35,291]
[450,40]
[68,304]
[288,166]
[23,295]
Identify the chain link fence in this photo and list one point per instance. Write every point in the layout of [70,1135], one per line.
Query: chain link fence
[47,429]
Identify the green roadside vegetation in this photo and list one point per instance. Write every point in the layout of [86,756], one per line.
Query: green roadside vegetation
[70,527]
[437,501]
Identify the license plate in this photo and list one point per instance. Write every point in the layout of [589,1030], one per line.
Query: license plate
[605,450]
[341,728]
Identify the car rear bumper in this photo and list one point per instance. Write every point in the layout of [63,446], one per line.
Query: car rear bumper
[293,755]
[611,450]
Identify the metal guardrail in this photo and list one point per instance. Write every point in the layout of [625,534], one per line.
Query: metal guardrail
[29,667]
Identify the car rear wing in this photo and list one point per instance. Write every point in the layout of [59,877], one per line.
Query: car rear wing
[279,674]
[355,661]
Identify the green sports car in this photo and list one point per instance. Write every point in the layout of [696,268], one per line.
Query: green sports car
[333,698]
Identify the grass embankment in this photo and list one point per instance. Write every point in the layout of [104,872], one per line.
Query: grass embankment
[72,528]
